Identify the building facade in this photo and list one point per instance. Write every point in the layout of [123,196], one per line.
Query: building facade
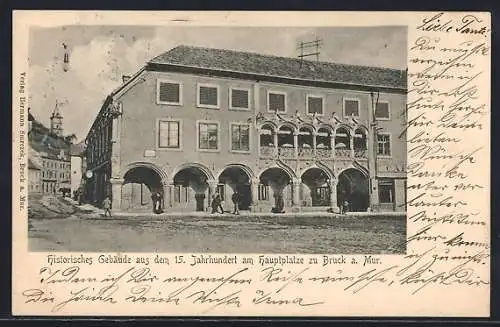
[77,166]
[52,154]
[197,121]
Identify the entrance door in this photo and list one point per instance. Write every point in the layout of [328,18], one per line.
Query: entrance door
[245,192]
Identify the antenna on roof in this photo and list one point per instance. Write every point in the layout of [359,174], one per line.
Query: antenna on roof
[306,48]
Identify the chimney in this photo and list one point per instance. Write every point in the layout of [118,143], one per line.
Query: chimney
[125,78]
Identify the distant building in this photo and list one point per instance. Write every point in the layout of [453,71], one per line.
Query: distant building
[53,151]
[280,131]
[77,165]
[34,177]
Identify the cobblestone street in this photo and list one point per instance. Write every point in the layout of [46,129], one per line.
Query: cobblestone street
[220,233]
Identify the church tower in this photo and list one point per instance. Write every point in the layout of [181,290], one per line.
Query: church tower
[56,121]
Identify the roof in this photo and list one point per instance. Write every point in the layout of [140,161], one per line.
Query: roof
[33,165]
[253,63]
[77,149]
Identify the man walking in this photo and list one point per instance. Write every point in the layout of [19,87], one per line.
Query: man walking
[236,202]
[107,206]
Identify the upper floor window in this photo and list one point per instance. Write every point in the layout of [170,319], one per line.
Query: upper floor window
[168,92]
[208,96]
[276,101]
[384,144]
[239,98]
[314,104]
[351,107]
[169,134]
[382,111]
[208,136]
[240,137]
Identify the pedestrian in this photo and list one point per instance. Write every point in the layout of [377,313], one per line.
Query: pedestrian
[236,202]
[214,204]
[217,204]
[345,206]
[158,208]
[107,206]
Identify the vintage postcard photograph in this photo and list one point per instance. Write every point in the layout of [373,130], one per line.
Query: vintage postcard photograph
[244,163]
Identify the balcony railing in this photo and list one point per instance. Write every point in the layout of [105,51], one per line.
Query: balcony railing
[306,152]
[323,153]
[342,153]
[361,154]
[267,151]
[287,152]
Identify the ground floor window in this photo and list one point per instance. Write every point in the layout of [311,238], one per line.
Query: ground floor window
[181,193]
[386,190]
[263,192]
[221,190]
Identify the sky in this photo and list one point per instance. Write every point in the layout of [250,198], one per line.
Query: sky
[100,55]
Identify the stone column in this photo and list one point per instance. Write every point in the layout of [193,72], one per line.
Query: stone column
[351,143]
[333,196]
[296,193]
[296,143]
[116,193]
[314,135]
[167,193]
[275,140]
[255,191]
[332,145]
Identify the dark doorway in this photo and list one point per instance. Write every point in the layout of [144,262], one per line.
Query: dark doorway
[353,187]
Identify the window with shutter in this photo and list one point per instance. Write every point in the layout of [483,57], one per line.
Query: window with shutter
[351,108]
[276,102]
[382,111]
[208,96]
[208,136]
[314,105]
[169,92]
[240,137]
[239,99]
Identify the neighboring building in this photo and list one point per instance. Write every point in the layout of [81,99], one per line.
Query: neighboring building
[194,121]
[53,151]
[34,177]
[77,166]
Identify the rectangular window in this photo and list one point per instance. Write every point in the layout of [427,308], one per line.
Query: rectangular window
[240,137]
[276,102]
[314,105]
[382,111]
[169,134]
[386,190]
[351,107]
[168,92]
[263,192]
[384,144]
[208,96]
[240,99]
[208,136]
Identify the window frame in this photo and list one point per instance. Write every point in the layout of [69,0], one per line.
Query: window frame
[162,80]
[390,145]
[157,134]
[322,97]
[391,183]
[269,92]
[388,111]
[208,106]
[344,106]
[231,98]
[235,123]
[198,122]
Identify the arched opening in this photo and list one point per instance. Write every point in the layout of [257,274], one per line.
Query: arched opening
[190,189]
[316,190]
[275,187]
[305,139]
[342,142]
[286,142]
[266,140]
[324,142]
[235,179]
[352,187]
[138,187]
[360,144]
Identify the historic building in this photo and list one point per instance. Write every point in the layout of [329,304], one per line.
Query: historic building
[53,151]
[77,165]
[194,121]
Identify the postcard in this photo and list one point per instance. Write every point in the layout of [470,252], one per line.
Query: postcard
[251,163]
